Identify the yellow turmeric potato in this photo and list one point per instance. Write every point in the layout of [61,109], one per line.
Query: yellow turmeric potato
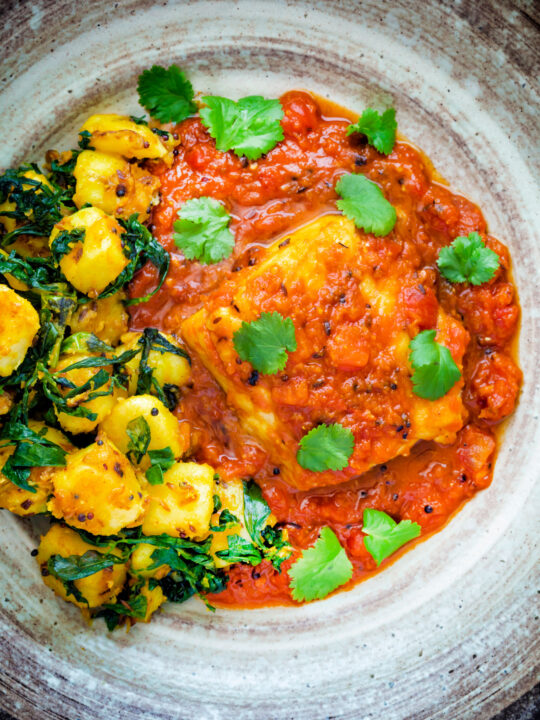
[118,134]
[99,588]
[168,368]
[98,259]
[141,560]
[101,406]
[112,184]
[19,324]
[182,506]
[98,490]
[154,598]
[8,205]
[231,494]
[23,502]
[164,428]
[107,318]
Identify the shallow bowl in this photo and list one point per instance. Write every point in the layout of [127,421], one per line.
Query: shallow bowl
[445,632]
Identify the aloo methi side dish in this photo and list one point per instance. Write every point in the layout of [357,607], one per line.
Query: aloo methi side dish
[249,350]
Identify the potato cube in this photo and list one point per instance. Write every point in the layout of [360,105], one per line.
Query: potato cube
[99,258]
[107,318]
[141,560]
[98,490]
[182,506]
[19,325]
[99,588]
[168,368]
[112,184]
[154,598]
[164,427]
[23,502]
[101,405]
[118,134]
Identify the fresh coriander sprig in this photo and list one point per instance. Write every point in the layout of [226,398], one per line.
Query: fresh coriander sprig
[363,202]
[326,447]
[202,231]
[321,569]
[435,371]
[264,342]
[251,126]
[380,129]
[385,535]
[166,93]
[467,259]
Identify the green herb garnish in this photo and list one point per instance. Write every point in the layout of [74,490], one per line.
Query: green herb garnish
[326,447]
[467,259]
[321,569]
[385,536]
[166,93]
[250,127]
[160,461]
[202,231]
[138,432]
[364,203]
[435,371]
[380,129]
[264,342]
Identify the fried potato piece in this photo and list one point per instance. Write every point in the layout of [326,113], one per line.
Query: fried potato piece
[141,560]
[101,406]
[23,502]
[112,184]
[107,318]
[98,490]
[154,599]
[353,318]
[118,134]
[168,368]
[165,431]
[19,325]
[99,258]
[182,506]
[99,588]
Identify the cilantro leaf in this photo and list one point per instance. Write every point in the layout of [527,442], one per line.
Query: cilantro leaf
[264,342]
[321,569]
[467,259]
[385,536]
[250,127]
[166,93]
[202,231]
[435,371]
[380,130]
[364,203]
[326,447]
[160,461]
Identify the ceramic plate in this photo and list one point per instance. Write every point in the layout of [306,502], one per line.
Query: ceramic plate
[445,632]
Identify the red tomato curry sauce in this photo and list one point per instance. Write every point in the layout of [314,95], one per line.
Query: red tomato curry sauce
[283,190]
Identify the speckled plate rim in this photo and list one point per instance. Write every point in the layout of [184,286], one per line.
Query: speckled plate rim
[446,631]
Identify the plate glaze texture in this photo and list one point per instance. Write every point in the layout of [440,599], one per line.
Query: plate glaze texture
[448,631]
